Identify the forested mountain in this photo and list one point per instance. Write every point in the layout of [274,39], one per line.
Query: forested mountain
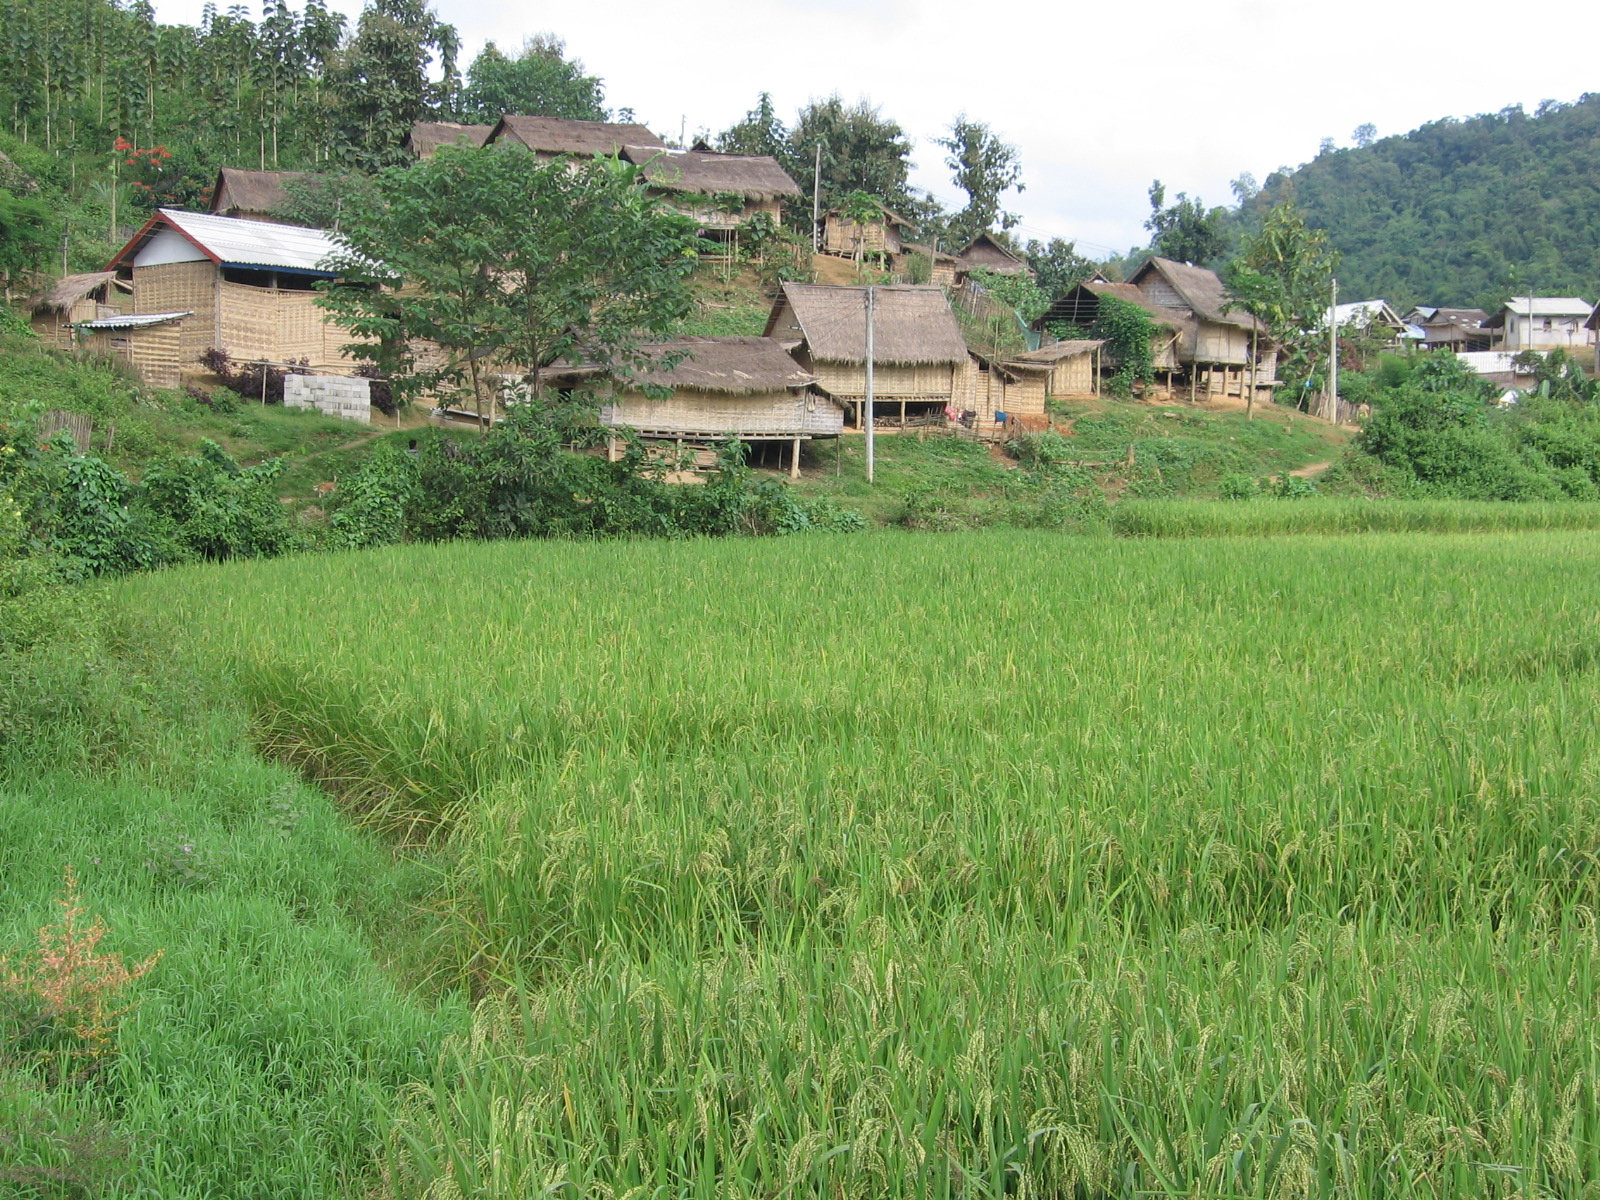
[1460,212]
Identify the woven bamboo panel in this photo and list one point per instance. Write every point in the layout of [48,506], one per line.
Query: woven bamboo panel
[181,287]
[922,382]
[1073,376]
[249,322]
[708,414]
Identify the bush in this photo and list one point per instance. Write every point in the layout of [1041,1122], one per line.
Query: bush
[1238,487]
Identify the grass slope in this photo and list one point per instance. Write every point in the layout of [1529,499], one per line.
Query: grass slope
[918,866]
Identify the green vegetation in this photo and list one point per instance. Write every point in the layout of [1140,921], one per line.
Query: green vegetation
[1459,212]
[916,866]
[1434,432]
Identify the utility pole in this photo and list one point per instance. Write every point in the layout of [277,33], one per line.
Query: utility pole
[1333,352]
[816,200]
[872,303]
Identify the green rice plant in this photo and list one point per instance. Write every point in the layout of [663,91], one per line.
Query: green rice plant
[1014,864]
[1329,515]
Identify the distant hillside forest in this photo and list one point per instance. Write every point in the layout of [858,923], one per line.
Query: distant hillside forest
[1460,212]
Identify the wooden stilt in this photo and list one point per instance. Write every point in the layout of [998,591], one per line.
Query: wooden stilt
[794,461]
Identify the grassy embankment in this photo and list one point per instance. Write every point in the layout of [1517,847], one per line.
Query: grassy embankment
[922,866]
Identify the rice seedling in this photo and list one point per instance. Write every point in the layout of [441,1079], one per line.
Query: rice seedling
[1014,864]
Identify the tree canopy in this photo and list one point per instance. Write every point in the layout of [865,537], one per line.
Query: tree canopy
[1186,230]
[528,263]
[539,81]
[985,168]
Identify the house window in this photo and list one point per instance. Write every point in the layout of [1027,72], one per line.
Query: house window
[1548,323]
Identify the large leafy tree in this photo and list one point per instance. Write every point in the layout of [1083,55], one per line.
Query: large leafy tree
[985,168]
[1186,230]
[761,132]
[862,150]
[508,264]
[539,81]
[1282,277]
[380,81]
[1057,265]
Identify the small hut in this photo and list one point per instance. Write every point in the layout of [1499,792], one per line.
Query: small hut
[747,388]
[253,195]
[985,253]
[553,137]
[426,137]
[884,236]
[943,269]
[73,300]
[1072,367]
[246,287]
[919,356]
[722,192]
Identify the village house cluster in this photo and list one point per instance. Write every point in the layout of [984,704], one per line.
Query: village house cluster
[241,279]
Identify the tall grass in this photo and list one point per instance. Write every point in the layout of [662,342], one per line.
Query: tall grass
[1015,864]
[1341,515]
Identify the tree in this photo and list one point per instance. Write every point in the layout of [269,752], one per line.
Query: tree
[539,82]
[28,231]
[380,80]
[1185,231]
[862,151]
[1282,278]
[1365,135]
[508,264]
[1058,266]
[759,133]
[984,168]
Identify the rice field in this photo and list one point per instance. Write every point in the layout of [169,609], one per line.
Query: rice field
[1013,864]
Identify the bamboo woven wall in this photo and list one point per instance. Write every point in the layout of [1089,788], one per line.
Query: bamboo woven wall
[714,414]
[931,381]
[839,237]
[281,326]
[1220,344]
[156,353]
[1073,376]
[182,287]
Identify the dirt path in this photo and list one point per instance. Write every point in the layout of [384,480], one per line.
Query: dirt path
[1310,469]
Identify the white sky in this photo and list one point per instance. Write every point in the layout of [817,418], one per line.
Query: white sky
[1099,99]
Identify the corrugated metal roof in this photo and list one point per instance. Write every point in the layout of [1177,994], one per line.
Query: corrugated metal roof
[133,320]
[234,241]
[1550,306]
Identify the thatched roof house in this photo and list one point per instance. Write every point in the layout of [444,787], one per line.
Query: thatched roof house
[984,252]
[247,286]
[1072,367]
[426,137]
[1210,348]
[740,387]
[254,195]
[72,300]
[919,356]
[694,180]
[886,235]
[551,137]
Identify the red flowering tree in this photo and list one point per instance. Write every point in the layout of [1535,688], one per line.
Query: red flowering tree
[162,178]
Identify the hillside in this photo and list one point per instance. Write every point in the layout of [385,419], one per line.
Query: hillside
[1461,212]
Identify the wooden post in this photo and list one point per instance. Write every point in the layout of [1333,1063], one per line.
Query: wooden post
[872,299]
[611,448]
[1255,353]
[794,461]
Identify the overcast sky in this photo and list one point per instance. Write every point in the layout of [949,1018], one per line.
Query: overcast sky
[1099,99]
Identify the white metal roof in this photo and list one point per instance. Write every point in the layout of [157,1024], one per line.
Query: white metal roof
[235,241]
[1550,306]
[134,320]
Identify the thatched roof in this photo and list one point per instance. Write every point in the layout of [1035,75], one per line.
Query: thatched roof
[262,192]
[755,177]
[67,292]
[890,217]
[1172,318]
[912,326]
[985,253]
[1200,289]
[919,248]
[556,135]
[426,137]
[734,366]
[1056,351]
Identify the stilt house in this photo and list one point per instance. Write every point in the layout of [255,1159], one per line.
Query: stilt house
[885,236]
[426,137]
[722,192]
[200,281]
[1072,368]
[735,387]
[920,361]
[1459,330]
